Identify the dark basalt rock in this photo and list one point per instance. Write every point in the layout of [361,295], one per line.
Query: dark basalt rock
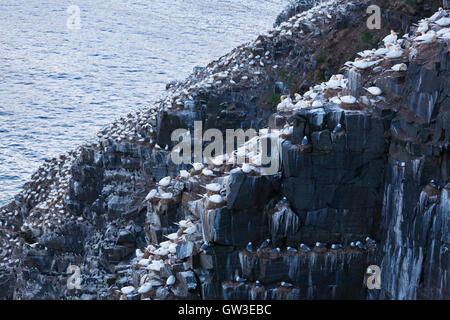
[369,178]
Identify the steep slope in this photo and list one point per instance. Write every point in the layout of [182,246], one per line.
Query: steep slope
[88,209]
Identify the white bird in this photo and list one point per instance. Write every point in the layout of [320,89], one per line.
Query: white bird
[198,166]
[400,67]
[207,172]
[152,194]
[317,103]
[164,182]
[170,281]
[214,187]
[391,38]
[184,174]
[246,168]
[127,290]
[443,22]
[397,52]
[375,91]
[348,99]
[166,195]
[428,37]
[145,288]
[423,27]
[215,198]
[172,236]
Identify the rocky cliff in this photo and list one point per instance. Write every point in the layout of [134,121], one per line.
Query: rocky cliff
[364,176]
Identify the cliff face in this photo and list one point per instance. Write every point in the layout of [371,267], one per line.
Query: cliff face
[368,186]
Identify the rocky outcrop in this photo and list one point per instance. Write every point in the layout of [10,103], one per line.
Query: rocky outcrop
[363,180]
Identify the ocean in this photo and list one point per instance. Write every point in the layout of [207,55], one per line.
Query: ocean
[67,68]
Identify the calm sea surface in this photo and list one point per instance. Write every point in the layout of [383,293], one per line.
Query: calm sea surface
[59,85]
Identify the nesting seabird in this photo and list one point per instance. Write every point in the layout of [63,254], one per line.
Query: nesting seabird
[265,244]
[305,247]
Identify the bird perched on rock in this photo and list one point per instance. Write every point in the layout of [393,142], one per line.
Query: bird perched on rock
[204,246]
[305,247]
[257,284]
[320,244]
[360,245]
[335,246]
[249,247]
[240,279]
[370,241]
[170,281]
[338,128]
[286,284]
[275,250]
[305,141]
[290,249]
[265,244]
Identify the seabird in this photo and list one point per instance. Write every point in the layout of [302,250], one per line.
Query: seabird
[375,91]
[286,284]
[336,246]
[275,250]
[400,67]
[320,244]
[249,247]
[337,128]
[305,141]
[348,99]
[265,244]
[170,281]
[443,22]
[360,245]
[240,279]
[305,247]
[370,241]
[204,246]
[290,249]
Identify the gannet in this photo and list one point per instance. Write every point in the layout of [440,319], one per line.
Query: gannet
[423,27]
[215,198]
[391,38]
[184,174]
[204,246]
[375,91]
[400,67]
[198,166]
[214,187]
[305,247]
[360,245]
[152,194]
[428,37]
[443,22]
[305,141]
[290,249]
[170,281]
[395,53]
[265,244]
[348,99]
[249,247]
[321,244]
[286,284]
